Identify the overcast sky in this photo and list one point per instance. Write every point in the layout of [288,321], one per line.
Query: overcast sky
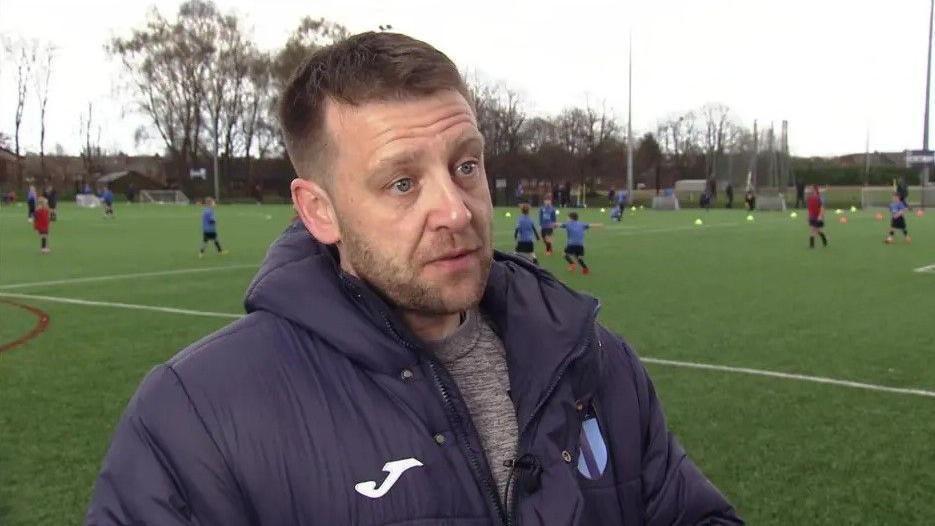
[832,68]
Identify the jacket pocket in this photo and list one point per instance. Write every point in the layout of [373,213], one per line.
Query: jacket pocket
[616,505]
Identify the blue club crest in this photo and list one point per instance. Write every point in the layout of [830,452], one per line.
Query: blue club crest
[592,456]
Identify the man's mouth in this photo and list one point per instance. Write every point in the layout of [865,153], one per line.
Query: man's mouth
[455,260]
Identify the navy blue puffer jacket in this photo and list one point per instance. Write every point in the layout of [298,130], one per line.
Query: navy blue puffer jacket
[319,408]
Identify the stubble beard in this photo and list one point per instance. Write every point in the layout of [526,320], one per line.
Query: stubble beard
[401,282]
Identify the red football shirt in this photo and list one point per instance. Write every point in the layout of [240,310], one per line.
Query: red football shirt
[814,206]
[40,220]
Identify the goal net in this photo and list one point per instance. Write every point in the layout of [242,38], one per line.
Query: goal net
[665,202]
[882,196]
[770,200]
[689,191]
[163,197]
[87,200]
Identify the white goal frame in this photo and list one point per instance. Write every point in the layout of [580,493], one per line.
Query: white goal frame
[163,197]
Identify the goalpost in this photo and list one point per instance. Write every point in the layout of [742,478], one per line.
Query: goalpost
[689,191]
[163,197]
[770,199]
[666,201]
[87,200]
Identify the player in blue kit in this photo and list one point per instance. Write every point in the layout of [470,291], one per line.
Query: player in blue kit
[574,247]
[107,197]
[898,210]
[524,234]
[209,228]
[547,218]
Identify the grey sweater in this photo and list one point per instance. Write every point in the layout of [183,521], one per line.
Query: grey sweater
[476,359]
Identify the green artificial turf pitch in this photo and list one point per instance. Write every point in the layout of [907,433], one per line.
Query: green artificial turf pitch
[731,292]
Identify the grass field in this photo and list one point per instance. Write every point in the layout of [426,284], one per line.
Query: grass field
[732,293]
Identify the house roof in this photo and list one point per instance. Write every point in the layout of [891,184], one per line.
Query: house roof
[7,154]
[113,176]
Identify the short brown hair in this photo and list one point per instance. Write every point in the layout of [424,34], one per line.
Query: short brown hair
[363,68]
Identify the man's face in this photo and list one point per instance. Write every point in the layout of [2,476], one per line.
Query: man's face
[411,200]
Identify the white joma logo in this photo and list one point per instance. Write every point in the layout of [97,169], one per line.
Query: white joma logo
[395,469]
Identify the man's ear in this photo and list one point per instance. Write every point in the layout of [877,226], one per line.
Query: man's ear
[315,210]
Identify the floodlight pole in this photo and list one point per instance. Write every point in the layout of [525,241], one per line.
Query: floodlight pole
[630,124]
[928,91]
[217,186]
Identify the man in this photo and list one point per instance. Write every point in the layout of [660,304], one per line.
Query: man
[547,219]
[816,218]
[799,193]
[392,368]
[51,196]
[902,190]
[750,199]
[729,191]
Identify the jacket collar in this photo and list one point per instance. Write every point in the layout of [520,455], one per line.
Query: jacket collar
[542,323]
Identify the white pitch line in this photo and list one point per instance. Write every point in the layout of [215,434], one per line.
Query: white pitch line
[122,276]
[673,363]
[74,301]
[614,230]
[791,376]
[927,268]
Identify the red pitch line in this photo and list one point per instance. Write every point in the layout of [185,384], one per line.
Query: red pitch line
[42,322]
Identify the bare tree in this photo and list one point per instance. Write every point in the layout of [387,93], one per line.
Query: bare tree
[223,98]
[168,67]
[42,80]
[537,133]
[511,115]
[258,98]
[23,54]
[311,34]
[91,150]
[716,122]
[258,105]
[601,125]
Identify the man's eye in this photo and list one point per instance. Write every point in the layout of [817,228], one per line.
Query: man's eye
[402,186]
[467,168]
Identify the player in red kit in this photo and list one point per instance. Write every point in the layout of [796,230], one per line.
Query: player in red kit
[816,217]
[41,221]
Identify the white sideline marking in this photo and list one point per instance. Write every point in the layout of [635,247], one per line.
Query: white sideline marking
[790,376]
[927,268]
[131,306]
[621,232]
[122,276]
[659,361]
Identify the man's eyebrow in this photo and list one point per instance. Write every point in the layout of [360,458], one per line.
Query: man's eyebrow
[467,140]
[399,158]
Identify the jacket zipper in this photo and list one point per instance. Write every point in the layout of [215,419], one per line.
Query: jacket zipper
[490,492]
[586,344]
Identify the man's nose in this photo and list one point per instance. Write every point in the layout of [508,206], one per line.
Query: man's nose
[447,207]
